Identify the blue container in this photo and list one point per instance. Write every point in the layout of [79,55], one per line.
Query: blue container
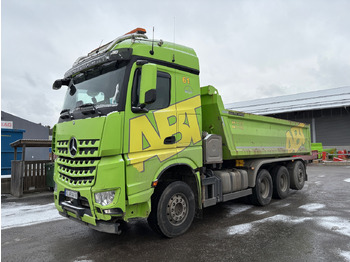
[9,136]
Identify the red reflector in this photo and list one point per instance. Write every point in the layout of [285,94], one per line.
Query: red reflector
[154,183]
[138,30]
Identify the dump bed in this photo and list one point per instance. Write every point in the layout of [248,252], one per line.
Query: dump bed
[252,136]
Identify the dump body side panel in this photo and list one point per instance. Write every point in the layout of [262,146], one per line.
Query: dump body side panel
[252,136]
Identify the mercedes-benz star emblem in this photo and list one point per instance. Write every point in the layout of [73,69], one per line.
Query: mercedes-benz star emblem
[73,146]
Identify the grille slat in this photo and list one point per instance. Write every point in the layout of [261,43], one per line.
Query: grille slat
[86,148]
[77,171]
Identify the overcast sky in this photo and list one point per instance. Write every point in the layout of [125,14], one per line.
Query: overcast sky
[247,49]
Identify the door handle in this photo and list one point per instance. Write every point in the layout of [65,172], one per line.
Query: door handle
[169,140]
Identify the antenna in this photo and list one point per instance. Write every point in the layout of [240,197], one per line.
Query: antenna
[152,52]
[174,43]
[97,50]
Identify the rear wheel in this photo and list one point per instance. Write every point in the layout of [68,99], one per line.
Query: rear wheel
[262,192]
[297,175]
[173,210]
[281,182]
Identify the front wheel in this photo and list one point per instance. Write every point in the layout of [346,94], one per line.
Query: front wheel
[173,210]
[262,192]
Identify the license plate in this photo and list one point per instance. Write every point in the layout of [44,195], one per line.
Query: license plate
[71,193]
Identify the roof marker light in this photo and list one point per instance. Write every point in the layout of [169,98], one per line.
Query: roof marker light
[138,30]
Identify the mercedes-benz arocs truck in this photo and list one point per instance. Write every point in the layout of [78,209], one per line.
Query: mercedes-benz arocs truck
[139,138]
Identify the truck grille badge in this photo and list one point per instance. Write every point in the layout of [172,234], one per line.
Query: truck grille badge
[73,146]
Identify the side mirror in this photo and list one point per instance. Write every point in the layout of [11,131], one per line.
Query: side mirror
[57,84]
[148,83]
[60,82]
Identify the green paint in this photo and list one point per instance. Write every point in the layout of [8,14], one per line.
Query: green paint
[145,143]
[172,120]
[186,120]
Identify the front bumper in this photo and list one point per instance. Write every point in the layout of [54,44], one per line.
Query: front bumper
[102,226]
[84,207]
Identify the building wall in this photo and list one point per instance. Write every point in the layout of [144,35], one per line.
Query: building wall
[33,131]
[331,127]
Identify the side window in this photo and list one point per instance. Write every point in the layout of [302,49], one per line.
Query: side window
[162,89]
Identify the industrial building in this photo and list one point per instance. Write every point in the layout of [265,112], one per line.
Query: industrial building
[327,112]
[13,128]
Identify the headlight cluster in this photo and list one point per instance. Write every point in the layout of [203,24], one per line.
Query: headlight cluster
[104,198]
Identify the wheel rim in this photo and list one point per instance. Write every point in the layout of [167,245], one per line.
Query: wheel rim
[300,175]
[264,188]
[177,209]
[283,183]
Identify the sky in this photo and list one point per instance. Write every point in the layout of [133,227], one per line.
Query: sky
[247,49]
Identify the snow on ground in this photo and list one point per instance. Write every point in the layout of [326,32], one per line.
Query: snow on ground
[345,254]
[236,209]
[334,224]
[259,212]
[240,229]
[245,228]
[312,207]
[20,215]
[83,259]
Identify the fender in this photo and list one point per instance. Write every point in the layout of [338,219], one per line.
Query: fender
[182,162]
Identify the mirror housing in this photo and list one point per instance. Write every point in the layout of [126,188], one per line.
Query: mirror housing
[148,83]
[60,82]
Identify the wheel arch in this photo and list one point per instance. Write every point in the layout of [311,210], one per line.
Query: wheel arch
[181,172]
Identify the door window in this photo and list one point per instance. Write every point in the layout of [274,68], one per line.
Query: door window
[162,90]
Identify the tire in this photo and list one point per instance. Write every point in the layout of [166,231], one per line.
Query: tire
[281,182]
[297,175]
[172,210]
[262,192]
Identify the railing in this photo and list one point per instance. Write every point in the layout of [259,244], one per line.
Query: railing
[34,175]
[28,176]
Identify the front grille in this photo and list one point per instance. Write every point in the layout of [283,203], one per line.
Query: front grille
[79,169]
[77,172]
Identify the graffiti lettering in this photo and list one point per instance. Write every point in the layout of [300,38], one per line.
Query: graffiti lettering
[295,138]
[148,133]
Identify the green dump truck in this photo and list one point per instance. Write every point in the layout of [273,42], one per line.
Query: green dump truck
[139,138]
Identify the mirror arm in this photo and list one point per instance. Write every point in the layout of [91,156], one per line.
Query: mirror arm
[139,109]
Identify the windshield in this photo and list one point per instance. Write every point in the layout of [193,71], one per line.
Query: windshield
[100,87]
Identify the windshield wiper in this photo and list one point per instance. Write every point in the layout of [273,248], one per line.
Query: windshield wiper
[65,113]
[89,108]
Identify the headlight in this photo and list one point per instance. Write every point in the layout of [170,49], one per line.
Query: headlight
[104,198]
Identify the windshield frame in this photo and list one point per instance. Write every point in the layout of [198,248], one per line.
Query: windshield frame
[79,111]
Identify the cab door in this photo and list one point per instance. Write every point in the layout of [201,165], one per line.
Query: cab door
[189,121]
[151,135]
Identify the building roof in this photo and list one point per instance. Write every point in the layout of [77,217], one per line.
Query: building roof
[32,143]
[315,100]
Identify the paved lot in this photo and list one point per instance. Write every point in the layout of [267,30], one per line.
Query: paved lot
[310,225]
